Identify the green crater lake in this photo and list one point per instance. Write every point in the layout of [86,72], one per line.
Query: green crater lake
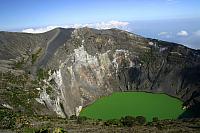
[135,104]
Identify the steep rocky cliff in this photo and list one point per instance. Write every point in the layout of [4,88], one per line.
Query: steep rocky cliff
[63,70]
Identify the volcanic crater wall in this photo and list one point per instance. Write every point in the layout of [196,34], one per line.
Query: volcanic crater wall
[87,64]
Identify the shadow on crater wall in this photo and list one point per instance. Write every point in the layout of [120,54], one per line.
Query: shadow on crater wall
[192,112]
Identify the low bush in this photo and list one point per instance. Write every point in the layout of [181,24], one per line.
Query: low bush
[141,120]
[110,122]
[81,119]
[73,117]
[155,119]
[128,121]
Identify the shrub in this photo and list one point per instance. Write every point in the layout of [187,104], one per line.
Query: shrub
[155,119]
[81,119]
[112,122]
[59,130]
[73,117]
[35,55]
[7,119]
[19,64]
[42,74]
[128,121]
[42,131]
[141,120]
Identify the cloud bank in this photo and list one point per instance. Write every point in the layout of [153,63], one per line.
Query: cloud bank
[168,31]
[101,25]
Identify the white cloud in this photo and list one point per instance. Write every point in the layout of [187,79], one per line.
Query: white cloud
[163,33]
[110,24]
[182,33]
[39,30]
[100,25]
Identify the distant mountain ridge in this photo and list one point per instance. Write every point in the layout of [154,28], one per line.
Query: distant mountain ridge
[63,70]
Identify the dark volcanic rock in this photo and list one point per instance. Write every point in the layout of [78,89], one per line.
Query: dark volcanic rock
[84,64]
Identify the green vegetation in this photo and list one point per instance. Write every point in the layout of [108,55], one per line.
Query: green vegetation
[73,117]
[42,74]
[148,57]
[141,120]
[155,119]
[17,92]
[35,55]
[43,130]
[19,64]
[81,119]
[42,124]
[128,121]
[7,119]
[115,122]
[135,104]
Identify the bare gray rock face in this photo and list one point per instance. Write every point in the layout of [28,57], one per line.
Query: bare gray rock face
[85,64]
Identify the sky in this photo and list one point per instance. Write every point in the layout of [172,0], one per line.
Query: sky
[170,20]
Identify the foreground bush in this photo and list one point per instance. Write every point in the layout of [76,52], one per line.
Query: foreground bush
[115,122]
[141,120]
[155,119]
[81,119]
[128,121]
[73,117]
